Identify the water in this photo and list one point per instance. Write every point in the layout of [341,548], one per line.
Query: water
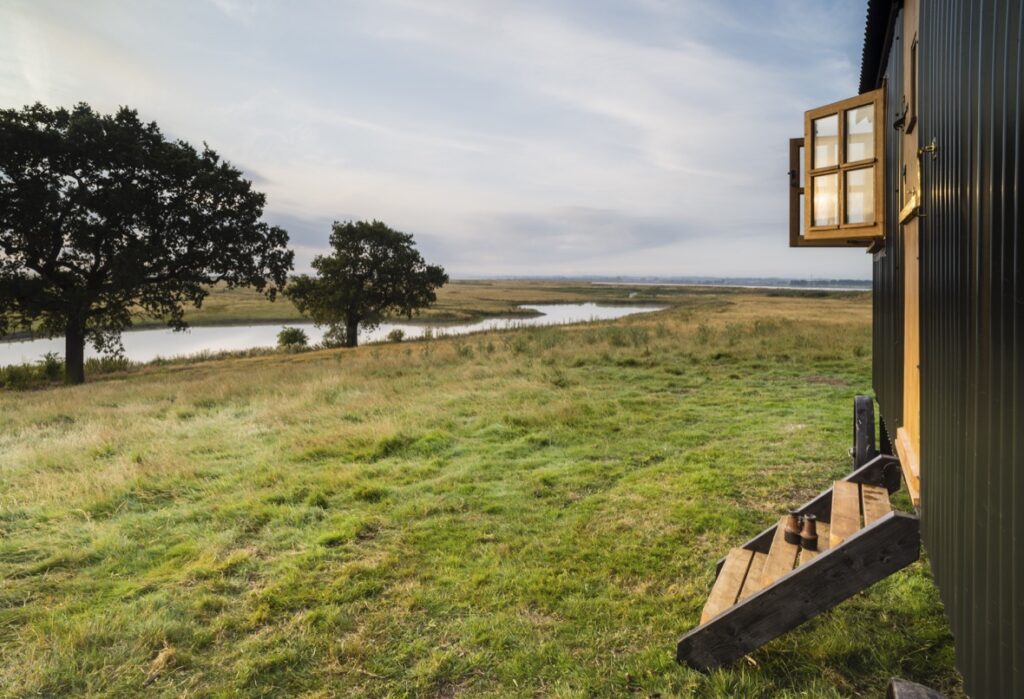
[147,345]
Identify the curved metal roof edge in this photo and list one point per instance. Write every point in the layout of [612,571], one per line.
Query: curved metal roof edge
[877,38]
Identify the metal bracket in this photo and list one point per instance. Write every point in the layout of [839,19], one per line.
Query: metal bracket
[932,148]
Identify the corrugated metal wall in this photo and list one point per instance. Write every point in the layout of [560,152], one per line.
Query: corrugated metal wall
[887,334]
[972,331]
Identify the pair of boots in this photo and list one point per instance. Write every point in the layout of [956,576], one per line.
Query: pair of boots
[802,530]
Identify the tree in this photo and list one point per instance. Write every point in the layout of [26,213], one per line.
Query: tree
[102,219]
[373,272]
[291,338]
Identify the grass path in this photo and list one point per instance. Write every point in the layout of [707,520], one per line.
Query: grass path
[529,513]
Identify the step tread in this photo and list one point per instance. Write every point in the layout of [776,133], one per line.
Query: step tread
[781,556]
[875,500]
[845,517]
[753,581]
[727,586]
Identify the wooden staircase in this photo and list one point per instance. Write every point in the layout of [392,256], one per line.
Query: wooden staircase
[769,586]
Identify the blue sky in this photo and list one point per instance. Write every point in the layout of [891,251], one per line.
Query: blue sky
[532,137]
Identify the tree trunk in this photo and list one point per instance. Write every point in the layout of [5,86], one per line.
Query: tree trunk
[74,353]
[352,333]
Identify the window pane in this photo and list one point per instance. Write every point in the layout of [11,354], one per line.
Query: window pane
[825,211]
[860,196]
[826,142]
[860,133]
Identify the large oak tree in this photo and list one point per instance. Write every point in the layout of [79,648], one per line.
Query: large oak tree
[102,219]
[372,272]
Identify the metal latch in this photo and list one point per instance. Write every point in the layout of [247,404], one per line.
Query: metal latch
[932,148]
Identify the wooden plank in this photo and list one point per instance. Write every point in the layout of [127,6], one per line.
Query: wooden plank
[910,465]
[845,517]
[781,557]
[727,586]
[875,503]
[823,543]
[753,582]
[910,261]
[869,555]
[882,470]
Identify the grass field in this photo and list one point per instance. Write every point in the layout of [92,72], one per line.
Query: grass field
[456,301]
[528,513]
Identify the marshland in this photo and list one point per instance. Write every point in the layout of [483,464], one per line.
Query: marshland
[526,512]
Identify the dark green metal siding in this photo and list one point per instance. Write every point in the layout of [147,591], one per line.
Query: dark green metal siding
[972,332]
[972,328]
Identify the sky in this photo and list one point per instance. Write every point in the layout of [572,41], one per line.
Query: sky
[537,137]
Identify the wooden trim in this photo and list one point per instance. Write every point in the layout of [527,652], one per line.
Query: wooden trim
[858,234]
[908,436]
[910,464]
[911,209]
[873,553]
[795,191]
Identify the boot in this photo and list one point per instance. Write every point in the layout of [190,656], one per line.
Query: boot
[792,531]
[809,535]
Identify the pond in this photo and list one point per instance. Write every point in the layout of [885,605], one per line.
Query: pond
[147,345]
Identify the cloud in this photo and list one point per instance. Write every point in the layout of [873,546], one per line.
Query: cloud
[572,234]
[583,133]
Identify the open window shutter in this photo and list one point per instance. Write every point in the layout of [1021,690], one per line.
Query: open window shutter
[797,239]
[844,177]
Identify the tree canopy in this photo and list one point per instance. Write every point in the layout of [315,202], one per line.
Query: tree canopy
[372,272]
[103,219]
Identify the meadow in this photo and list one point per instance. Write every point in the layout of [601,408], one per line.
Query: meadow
[460,300]
[525,513]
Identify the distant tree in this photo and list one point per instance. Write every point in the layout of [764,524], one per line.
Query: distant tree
[292,337]
[103,219]
[373,272]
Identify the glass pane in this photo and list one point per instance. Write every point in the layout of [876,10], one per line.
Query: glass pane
[860,196]
[825,211]
[860,133]
[826,141]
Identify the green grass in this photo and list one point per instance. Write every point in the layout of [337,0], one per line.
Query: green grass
[528,513]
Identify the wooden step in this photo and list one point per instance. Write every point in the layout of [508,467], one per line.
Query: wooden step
[753,581]
[845,515]
[874,502]
[781,556]
[729,583]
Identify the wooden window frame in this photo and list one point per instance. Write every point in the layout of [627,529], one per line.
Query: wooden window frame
[797,239]
[847,231]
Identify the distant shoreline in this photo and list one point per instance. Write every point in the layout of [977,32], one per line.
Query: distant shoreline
[784,287]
